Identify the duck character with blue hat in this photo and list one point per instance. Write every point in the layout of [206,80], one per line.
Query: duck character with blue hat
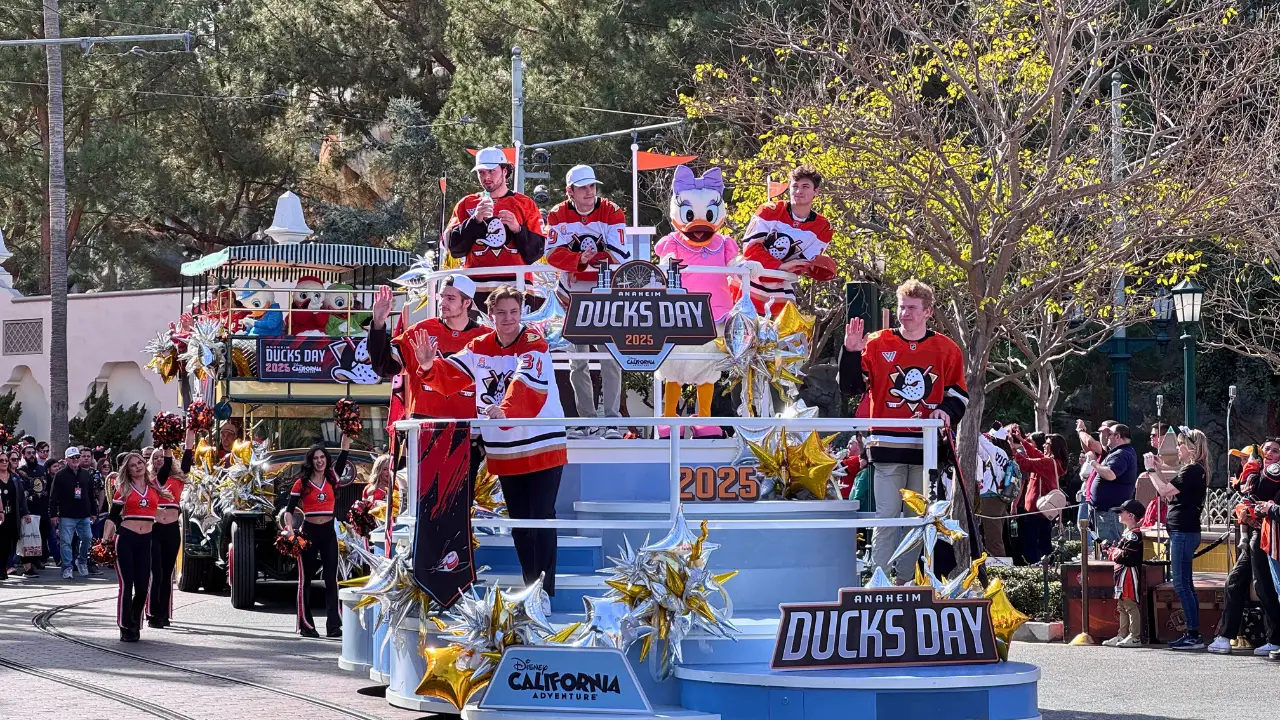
[265,318]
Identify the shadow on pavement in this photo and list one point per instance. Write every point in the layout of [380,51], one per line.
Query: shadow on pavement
[1080,715]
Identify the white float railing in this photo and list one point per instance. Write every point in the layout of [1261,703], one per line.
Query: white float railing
[929,427]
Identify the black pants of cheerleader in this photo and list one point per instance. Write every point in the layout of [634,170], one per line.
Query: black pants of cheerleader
[1251,567]
[133,568]
[532,496]
[321,553]
[166,538]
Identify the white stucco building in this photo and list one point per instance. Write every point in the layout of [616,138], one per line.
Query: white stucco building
[106,333]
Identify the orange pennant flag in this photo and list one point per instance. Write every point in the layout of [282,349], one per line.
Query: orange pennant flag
[509,152]
[776,188]
[657,161]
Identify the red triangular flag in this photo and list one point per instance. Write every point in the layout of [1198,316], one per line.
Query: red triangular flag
[657,161]
[509,152]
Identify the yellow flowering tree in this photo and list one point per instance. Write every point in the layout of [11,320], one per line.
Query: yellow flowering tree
[973,145]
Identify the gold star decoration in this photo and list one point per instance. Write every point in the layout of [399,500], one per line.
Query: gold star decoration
[444,678]
[1005,618]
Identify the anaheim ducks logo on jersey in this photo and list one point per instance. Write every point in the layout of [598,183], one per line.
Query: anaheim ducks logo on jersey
[495,235]
[911,386]
[495,387]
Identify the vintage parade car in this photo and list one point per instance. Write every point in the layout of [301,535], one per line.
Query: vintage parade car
[271,337]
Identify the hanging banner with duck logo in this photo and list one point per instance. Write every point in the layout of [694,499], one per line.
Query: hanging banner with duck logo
[639,313]
[306,358]
[443,564]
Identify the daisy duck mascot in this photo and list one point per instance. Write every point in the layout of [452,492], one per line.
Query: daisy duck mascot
[697,213]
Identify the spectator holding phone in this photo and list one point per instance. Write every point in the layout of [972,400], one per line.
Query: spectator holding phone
[1112,480]
[1191,481]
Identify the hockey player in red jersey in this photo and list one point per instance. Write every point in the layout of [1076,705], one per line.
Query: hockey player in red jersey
[495,227]
[513,376]
[788,235]
[583,231]
[908,371]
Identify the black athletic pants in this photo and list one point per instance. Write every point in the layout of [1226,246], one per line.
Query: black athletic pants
[1251,566]
[532,496]
[133,571]
[165,541]
[9,535]
[321,552]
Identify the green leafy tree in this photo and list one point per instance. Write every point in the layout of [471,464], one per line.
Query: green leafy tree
[11,412]
[108,425]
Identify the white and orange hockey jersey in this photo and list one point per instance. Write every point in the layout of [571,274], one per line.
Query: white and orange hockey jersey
[773,237]
[570,234]
[518,378]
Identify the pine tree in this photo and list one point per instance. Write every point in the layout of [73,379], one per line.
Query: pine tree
[11,413]
[107,425]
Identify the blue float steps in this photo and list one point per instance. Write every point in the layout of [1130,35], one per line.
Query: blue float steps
[575,554]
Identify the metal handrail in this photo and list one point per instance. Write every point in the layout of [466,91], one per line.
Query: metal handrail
[928,426]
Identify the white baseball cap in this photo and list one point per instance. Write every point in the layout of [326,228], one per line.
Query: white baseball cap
[462,284]
[72,452]
[580,176]
[489,158]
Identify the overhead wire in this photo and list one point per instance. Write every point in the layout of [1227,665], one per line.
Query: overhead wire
[63,14]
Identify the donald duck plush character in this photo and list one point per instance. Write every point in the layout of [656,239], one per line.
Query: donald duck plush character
[265,318]
[697,213]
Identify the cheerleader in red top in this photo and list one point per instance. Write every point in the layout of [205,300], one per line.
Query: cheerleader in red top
[133,511]
[166,534]
[314,490]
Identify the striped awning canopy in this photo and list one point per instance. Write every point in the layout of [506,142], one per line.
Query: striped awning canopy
[289,262]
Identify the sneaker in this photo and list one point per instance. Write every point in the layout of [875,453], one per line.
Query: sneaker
[308,633]
[95,570]
[1275,655]
[612,433]
[334,633]
[1188,642]
[31,573]
[66,573]
[1113,641]
[158,624]
[1130,642]
[575,433]
[83,569]
[1266,650]
[1222,646]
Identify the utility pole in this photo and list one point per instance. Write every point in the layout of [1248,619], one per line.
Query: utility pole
[1120,350]
[517,115]
[53,42]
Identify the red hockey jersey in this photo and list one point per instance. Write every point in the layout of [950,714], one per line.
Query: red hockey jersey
[491,244]
[420,398]
[773,237]
[906,379]
[520,379]
[570,234]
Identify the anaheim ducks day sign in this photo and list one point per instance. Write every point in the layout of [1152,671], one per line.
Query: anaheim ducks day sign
[876,627]
[639,313]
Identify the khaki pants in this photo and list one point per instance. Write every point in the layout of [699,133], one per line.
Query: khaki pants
[890,479]
[993,530]
[1130,623]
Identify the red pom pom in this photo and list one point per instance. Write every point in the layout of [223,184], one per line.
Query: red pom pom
[199,416]
[346,413]
[102,554]
[361,519]
[167,430]
[291,545]
[6,437]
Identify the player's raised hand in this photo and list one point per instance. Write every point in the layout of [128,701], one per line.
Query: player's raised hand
[855,339]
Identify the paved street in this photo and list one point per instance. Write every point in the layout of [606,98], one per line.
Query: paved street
[1078,683]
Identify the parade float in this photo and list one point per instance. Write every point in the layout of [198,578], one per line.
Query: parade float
[269,340]
[697,577]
